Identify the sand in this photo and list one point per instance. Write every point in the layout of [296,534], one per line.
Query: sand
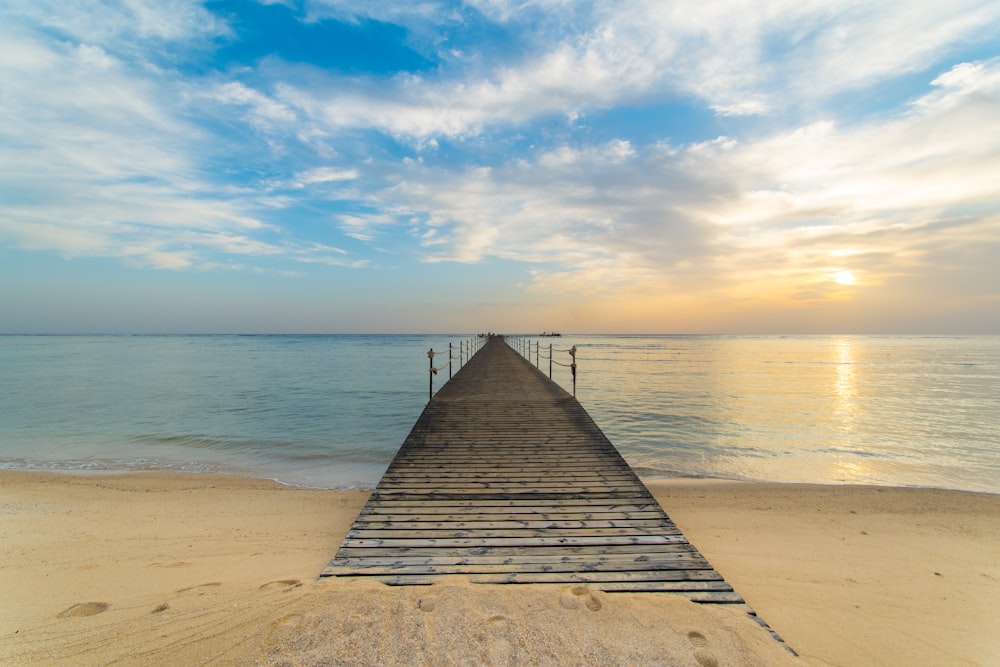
[194,569]
[856,575]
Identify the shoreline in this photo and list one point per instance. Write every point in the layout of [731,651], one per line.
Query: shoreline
[173,567]
[649,480]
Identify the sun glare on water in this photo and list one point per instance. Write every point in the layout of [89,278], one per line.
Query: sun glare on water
[844,277]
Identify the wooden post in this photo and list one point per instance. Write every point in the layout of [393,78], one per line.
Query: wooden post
[449,361]
[430,374]
[550,361]
[572,366]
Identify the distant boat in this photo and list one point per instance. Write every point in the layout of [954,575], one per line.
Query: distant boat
[550,334]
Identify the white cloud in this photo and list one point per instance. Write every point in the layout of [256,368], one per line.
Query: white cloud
[366,227]
[324,175]
[129,24]
[100,154]
[738,61]
[262,111]
[729,211]
[410,12]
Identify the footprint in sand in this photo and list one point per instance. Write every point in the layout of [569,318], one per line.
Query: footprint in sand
[289,621]
[283,585]
[697,639]
[280,629]
[572,598]
[84,609]
[426,604]
[701,656]
[201,589]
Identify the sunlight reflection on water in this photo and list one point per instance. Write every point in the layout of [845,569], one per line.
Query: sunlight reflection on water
[888,410]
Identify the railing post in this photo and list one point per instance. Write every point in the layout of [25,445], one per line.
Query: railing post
[572,353]
[449,361]
[537,343]
[550,361]
[430,374]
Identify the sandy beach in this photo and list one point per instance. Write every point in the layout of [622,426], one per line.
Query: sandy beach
[195,569]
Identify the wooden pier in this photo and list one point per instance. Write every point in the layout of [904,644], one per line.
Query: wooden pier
[506,479]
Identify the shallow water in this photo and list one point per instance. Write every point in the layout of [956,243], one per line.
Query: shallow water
[330,411]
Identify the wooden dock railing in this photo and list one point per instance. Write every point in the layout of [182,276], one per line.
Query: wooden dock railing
[466,348]
[523,344]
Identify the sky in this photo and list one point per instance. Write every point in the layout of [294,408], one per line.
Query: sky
[332,166]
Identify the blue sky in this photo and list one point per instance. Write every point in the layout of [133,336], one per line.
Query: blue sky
[329,166]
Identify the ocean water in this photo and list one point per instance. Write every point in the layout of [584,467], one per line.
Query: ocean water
[330,411]
[897,411]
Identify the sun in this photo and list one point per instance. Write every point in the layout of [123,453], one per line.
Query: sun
[844,277]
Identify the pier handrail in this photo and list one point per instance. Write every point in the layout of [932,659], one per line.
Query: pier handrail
[523,346]
[467,347]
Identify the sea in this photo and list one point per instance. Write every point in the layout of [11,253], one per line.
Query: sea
[330,411]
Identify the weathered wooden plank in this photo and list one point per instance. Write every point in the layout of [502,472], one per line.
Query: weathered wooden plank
[404,533]
[418,516]
[503,489]
[472,476]
[688,571]
[537,464]
[404,474]
[569,494]
[548,463]
[594,551]
[536,540]
[643,502]
[429,523]
[515,506]
[674,570]
[664,580]
[717,597]
[639,561]
[550,481]
[581,447]
[625,583]
[530,441]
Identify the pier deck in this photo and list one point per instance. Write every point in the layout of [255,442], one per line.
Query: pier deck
[506,479]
